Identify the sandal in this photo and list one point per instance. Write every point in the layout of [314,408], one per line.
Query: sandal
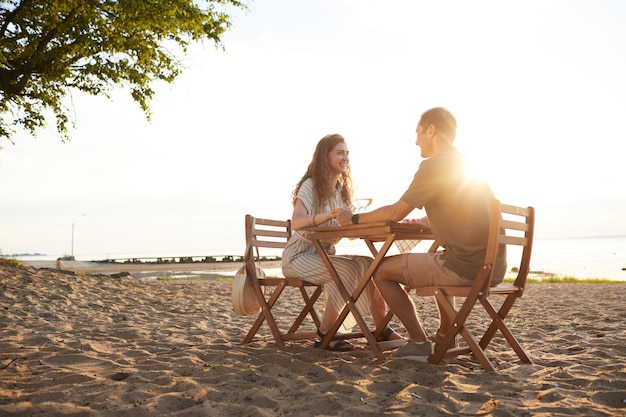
[339,346]
[385,342]
[386,335]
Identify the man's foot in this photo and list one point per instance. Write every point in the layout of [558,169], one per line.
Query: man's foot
[417,351]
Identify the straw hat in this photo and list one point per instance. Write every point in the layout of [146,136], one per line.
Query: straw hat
[245,302]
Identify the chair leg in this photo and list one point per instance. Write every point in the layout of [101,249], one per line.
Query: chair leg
[501,315]
[497,323]
[308,309]
[444,345]
[477,351]
[266,314]
[458,327]
[255,328]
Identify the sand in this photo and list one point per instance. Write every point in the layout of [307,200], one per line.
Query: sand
[93,345]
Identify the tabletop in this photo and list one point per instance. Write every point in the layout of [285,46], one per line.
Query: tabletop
[378,231]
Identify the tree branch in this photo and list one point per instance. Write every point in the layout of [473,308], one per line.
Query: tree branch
[12,14]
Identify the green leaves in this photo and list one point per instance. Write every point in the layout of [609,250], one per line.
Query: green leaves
[50,47]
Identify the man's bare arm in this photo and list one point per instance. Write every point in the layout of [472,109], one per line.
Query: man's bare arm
[392,212]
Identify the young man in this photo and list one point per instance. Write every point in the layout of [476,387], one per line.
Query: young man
[457,208]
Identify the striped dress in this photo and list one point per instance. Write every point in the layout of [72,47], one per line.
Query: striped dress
[301,260]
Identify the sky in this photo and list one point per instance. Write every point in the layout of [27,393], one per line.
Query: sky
[537,87]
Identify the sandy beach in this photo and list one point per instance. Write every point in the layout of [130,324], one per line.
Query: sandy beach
[77,344]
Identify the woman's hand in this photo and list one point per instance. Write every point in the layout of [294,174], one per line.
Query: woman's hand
[343,215]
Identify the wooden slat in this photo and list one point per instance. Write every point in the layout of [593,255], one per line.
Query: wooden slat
[515,225]
[512,240]
[271,233]
[268,244]
[271,222]
[509,209]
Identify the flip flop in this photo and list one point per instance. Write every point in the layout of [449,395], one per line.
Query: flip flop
[385,343]
[385,336]
[339,346]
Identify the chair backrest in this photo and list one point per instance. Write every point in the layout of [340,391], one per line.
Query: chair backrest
[265,233]
[511,225]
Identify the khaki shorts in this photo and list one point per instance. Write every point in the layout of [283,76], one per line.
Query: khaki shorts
[427,270]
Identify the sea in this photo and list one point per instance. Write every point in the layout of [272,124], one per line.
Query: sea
[581,258]
[590,257]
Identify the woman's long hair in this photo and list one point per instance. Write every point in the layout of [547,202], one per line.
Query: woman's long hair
[319,171]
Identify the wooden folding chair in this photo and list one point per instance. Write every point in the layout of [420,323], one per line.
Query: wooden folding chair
[267,233]
[509,225]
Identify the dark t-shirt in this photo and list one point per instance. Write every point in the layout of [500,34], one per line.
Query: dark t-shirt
[458,211]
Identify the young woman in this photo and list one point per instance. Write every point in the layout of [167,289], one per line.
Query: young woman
[324,189]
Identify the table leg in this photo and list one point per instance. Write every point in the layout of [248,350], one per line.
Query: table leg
[350,305]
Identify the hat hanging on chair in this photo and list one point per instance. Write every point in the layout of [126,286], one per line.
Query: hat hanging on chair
[245,302]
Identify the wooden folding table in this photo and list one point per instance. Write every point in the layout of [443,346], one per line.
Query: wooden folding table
[385,232]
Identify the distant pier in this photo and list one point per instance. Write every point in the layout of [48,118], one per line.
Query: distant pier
[164,260]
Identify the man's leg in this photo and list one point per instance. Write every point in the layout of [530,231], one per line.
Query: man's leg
[445,321]
[388,279]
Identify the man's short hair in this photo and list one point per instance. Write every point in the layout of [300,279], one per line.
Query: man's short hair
[443,120]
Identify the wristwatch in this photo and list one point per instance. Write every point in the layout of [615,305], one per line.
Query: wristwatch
[355,218]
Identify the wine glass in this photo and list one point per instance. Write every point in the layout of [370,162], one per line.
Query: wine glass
[361,203]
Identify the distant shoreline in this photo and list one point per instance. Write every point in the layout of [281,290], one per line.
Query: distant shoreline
[90,267]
